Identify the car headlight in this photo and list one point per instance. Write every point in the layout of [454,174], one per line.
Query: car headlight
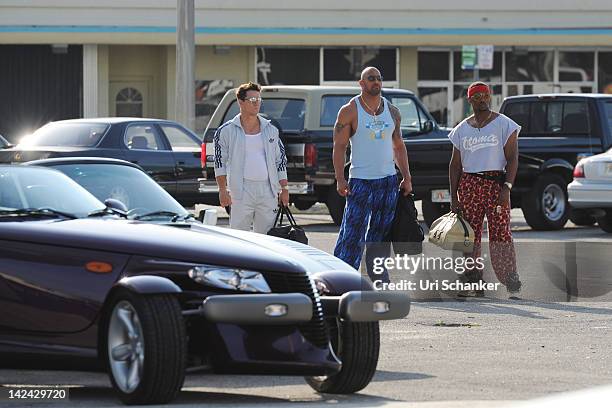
[229,278]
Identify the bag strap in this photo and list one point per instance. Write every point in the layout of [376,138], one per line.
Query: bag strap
[465,230]
[290,217]
[279,213]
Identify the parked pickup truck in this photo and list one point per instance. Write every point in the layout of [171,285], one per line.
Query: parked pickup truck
[557,131]
[305,115]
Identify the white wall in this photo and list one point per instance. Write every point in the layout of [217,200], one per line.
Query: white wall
[308,14]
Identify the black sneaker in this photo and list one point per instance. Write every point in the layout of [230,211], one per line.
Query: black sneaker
[513,286]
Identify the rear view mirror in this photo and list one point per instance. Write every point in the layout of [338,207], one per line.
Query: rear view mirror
[115,204]
[428,126]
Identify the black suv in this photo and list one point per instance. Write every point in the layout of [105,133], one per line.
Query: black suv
[557,131]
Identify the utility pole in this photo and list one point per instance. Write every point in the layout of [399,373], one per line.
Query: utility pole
[185,63]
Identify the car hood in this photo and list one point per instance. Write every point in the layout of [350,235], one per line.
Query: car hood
[198,244]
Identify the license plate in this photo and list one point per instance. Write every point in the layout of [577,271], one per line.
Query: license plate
[440,196]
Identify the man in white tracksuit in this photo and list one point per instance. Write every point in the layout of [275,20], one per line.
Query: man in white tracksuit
[250,160]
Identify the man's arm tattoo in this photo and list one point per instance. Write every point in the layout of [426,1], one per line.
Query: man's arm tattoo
[339,126]
[397,117]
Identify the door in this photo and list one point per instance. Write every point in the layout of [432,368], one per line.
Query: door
[186,149]
[146,147]
[44,288]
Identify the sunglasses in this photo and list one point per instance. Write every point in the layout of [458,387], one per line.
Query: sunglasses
[253,99]
[478,96]
[373,78]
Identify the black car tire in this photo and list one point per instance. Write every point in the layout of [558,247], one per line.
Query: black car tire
[546,186]
[165,347]
[605,221]
[357,345]
[432,211]
[335,204]
[581,217]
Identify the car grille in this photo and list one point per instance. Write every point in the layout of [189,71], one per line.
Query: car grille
[314,331]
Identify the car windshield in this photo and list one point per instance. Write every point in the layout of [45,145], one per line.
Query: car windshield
[66,134]
[31,188]
[287,113]
[134,188]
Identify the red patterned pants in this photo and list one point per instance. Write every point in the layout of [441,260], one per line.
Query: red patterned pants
[479,197]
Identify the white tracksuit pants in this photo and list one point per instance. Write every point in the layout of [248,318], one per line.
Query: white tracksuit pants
[258,206]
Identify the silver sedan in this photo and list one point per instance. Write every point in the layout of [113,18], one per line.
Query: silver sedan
[591,189]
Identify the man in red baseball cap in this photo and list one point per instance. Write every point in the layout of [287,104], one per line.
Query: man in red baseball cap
[481,172]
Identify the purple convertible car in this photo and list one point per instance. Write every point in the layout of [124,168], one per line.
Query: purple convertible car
[148,301]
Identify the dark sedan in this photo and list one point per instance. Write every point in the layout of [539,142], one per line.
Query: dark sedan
[167,151]
[149,301]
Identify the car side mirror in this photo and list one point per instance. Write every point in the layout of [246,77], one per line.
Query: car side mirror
[208,216]
[116,204]
[428,126]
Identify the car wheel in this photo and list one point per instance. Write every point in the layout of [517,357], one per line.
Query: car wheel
[605,221]
[145,347]
[335,204]
[357,346]
[545,207]
[581,217]
[432,211]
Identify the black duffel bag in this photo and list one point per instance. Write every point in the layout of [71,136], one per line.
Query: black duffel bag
[406,233]
[292,231]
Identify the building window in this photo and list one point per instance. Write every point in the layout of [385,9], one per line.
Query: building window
[576,66]
[487,75]
[530,66]
[516,71]
[433,66]
[128,103]
[605,72]
[346,64]
[288,66]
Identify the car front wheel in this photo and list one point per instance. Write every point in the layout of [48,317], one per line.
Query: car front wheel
[145,347]
[357,346]
[545,207]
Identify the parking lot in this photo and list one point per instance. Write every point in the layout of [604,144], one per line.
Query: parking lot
[484,352]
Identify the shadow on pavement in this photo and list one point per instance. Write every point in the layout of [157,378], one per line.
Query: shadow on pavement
[498,306]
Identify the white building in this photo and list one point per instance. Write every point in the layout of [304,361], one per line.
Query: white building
[71,58]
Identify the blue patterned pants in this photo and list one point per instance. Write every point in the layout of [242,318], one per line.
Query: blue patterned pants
[368,216]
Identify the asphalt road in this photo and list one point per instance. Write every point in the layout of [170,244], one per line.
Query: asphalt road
[487,352]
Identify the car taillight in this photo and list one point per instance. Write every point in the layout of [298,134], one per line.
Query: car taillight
[203,155]
[310,155]
[579,171]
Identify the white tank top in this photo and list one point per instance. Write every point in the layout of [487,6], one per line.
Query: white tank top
[255,167]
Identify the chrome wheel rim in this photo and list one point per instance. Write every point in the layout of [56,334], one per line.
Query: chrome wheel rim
[125,347]
[553,202]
